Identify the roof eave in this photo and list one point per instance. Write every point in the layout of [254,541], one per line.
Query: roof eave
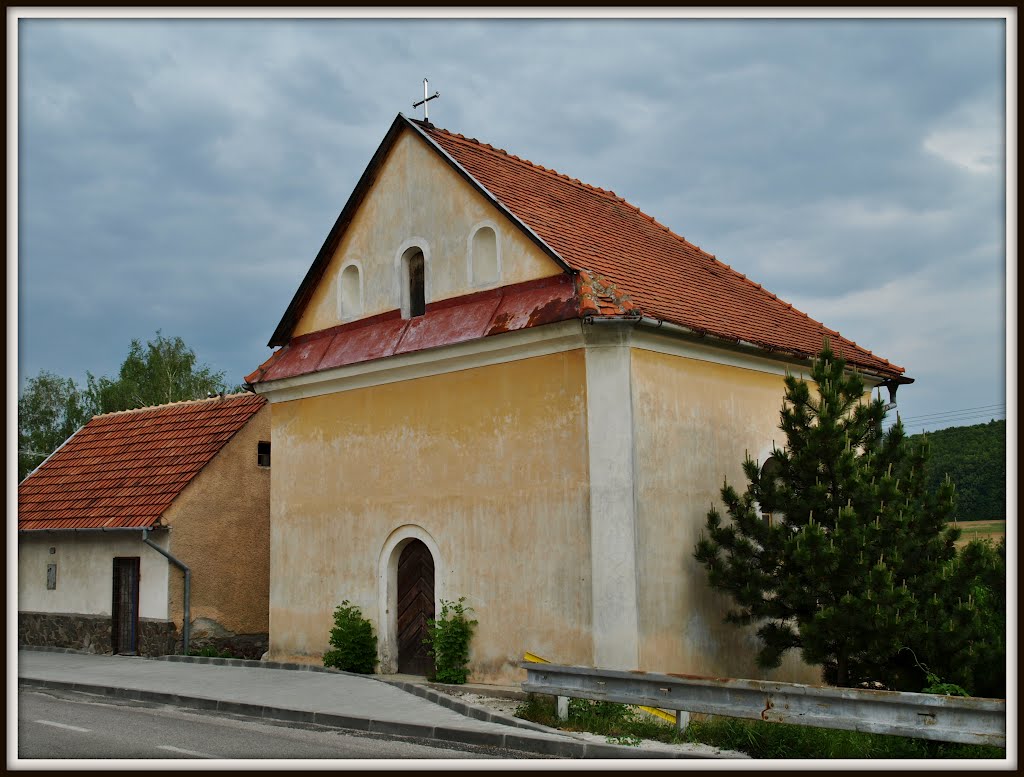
[52,454]
[50,530]
[894,376]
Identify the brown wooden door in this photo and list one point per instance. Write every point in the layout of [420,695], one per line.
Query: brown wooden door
[415,606]
[124,609]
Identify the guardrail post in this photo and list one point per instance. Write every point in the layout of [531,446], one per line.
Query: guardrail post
[682,720]
[562,708]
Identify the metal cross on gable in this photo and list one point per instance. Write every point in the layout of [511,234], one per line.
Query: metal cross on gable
[425,100]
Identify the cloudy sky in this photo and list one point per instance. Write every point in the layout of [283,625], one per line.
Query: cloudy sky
[181,175]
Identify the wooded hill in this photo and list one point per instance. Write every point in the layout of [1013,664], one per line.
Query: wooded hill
[975,458]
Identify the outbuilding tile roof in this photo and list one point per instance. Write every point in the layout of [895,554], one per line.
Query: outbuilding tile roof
[664,275]
[123,470]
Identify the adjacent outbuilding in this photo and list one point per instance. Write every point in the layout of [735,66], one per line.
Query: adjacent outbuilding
[147,524]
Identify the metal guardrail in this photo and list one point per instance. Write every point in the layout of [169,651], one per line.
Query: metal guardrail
[924,716]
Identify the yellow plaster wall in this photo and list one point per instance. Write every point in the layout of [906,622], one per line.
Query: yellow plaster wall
[220,528]
[418,196]
[493,467]
[694,422]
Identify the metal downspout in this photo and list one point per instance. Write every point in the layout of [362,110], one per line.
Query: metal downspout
[185,628]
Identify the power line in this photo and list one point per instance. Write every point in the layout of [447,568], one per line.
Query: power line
[933,425]
[952,416]
[955,412]
[977,418]
[942,416]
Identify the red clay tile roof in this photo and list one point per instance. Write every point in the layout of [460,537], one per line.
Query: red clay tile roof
[123,470]
[664,275]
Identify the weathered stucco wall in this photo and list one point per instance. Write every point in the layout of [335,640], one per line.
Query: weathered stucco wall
[85,567]
[694,422]
[418,199]
[220,528]
[488,463]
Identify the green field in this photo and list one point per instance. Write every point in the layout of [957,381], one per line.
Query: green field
[992,531]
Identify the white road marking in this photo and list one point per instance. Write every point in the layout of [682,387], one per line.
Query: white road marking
[63,725]
[186,752]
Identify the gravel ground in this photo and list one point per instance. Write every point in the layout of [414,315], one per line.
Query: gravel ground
[508,707]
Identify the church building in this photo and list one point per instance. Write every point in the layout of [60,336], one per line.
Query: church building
[500,383]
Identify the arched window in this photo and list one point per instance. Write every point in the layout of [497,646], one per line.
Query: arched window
[414,298]
[350,292]
[483,262]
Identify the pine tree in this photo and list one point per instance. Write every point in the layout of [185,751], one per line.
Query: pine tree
[831,548]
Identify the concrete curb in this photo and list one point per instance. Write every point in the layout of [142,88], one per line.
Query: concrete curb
[522,742]
[470,710]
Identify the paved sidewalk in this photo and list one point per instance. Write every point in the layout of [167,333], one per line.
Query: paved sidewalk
[325,697]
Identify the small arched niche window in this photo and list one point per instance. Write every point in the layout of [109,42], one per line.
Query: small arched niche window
[350,292]
[483,260]
[414,298]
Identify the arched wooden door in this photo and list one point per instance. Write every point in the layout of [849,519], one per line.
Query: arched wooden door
[415,606]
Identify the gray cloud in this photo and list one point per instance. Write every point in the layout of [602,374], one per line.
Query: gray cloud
[182,174]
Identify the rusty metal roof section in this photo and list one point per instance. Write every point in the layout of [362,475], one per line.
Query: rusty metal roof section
[123,470]
[471,317]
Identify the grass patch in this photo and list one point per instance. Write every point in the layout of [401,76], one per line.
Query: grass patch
[989,531]
[758,739]
[619,723]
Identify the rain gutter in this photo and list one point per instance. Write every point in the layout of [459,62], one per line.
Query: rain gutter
[668,326]
[185,630]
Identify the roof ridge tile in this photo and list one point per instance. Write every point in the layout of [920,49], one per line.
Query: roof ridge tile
[668,229]
[178,403]
[534,165]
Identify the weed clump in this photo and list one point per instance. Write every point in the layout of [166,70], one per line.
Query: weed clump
[448,642]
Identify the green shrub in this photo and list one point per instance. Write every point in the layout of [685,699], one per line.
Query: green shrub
[448,641]
[353,641]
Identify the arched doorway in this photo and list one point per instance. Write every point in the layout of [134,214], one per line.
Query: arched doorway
[415,607]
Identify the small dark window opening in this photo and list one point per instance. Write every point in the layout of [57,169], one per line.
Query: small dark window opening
[417,296]
[263,454]
[51,577]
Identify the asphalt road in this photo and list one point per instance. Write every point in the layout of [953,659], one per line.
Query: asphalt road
[67,724]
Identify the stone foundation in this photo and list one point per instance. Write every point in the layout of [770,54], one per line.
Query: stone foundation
[51,629]
[91,633]
[158,638]
[207,633]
